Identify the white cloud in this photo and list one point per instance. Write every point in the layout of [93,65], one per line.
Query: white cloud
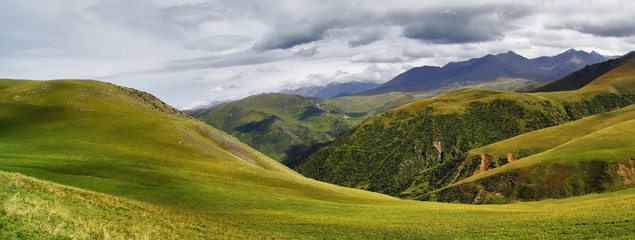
[195,105]
[216,89]
[260,46]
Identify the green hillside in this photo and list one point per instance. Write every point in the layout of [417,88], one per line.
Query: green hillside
[593,154]
[582,77]
[111,139]
[282,126]
[363,106]
[288,127]
[596,162]
[424,146]
[136,168]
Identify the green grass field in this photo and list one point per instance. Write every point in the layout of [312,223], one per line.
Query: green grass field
[35,209]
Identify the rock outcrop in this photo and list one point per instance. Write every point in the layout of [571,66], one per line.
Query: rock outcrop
[486,161]
[439,147]
[510,157]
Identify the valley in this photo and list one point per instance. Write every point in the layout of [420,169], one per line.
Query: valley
[88,159]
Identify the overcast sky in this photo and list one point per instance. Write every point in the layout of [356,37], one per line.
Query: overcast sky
[190,53]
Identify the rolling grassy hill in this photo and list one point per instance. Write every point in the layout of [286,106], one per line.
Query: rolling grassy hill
[136,168]
[359,107]
[424,146]
[106,138]
[593,154]
[364,106]
[282,126]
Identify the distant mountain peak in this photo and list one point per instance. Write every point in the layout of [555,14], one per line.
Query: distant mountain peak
[511,56]
[488,69]
[333,89]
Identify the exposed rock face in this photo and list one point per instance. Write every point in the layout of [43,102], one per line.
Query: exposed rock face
[439,147]
[486,160]
[510,157]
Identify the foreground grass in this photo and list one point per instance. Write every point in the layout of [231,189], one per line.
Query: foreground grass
[31,208]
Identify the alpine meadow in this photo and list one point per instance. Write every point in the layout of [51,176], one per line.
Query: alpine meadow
[213,119]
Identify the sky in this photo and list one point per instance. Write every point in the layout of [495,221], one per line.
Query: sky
[190,53]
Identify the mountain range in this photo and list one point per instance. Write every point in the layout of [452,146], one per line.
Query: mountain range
[582,77]
[488,69]
[334,89]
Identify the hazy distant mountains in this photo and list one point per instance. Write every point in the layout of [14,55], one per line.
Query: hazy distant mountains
[331,90]
[582,77]
[489,68]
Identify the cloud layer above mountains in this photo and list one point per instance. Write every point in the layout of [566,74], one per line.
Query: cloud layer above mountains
[185,51]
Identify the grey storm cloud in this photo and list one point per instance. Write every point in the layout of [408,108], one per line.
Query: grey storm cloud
[362,26]
[243,58]
[286,36]
[306,52]
[460,24]
[366,36]
[610,29]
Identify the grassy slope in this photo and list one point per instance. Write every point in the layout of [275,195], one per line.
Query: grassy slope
[393,166]
[279,125]
[297,109]
[35,209]
[387,151]
[526,145]
[95,136]
[364,106]
[367,105]
[586,164]
[570,159]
